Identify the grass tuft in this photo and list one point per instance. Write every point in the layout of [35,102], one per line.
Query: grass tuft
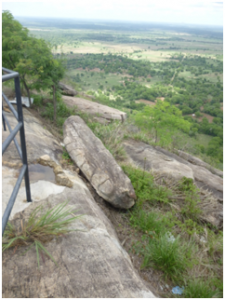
[200,289]
[39,229]
[145,187]
[147,222]
[167,255]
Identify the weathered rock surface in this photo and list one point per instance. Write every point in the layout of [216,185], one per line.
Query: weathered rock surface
[39,141]
[149,158]
[60,176]
[197,161]
[86,95]
[91,261]
[204,178]
[97,164]
[67,90]
[94,108]
[164,162]
[171,165]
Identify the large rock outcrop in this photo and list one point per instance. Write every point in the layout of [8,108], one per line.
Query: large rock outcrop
[169,164]
[98,110]
[97,164]
[150,158]
[164,162]
[91,261]
[39,141]
[198,162]
[67,90]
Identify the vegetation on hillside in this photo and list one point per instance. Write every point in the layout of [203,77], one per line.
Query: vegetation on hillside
[176,76]
[31,57]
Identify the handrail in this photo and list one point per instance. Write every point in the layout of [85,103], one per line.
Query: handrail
[22,151]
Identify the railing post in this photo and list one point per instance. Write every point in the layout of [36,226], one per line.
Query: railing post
[22,137]
[3,120]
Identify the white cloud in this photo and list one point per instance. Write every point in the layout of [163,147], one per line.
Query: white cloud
[188,11]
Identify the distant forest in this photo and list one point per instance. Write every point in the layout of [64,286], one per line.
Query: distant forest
[209,32]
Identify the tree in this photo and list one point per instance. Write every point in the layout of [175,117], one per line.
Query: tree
[33,65]
[13,37]
[54,72]
[164,119]
[29,56]
[215,148]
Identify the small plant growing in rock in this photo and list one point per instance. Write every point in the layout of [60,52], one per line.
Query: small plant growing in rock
[39,229]
[66,156]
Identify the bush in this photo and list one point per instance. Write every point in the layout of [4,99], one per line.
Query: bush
[190,208]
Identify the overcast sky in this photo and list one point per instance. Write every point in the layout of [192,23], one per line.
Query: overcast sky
[205,12]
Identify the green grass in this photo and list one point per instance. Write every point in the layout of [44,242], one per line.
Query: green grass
[145,188]
[66,156]
[97,80]
[40,228]
[148,222]
[166,219]
[201,289]
[170,255]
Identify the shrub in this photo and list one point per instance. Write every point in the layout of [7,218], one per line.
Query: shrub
[190,208]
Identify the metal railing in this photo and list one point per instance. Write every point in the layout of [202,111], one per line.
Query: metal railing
[12,136]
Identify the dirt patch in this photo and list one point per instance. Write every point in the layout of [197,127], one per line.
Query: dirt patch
[95,70]
[147,102]
[210,118]
[161,98]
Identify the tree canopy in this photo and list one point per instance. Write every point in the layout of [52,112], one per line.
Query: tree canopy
[29,56]
[164,119]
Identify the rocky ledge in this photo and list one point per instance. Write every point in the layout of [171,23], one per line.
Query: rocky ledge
[91,261]
[102,113]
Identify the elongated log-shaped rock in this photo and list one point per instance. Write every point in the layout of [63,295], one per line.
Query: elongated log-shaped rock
[97,164]
[67,90]
[103,112]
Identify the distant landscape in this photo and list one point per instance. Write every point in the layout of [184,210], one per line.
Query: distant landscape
[128,64]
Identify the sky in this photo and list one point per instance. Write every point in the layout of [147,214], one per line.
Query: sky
[199,12]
